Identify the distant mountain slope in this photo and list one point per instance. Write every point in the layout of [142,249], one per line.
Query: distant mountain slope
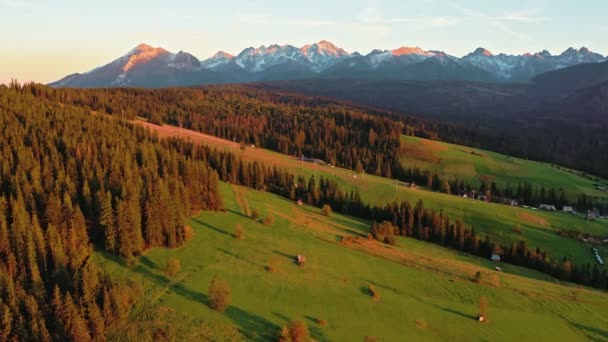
[146,66]
[561,118]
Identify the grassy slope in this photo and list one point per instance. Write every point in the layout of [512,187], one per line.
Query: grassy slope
[538,228]
[416,281]
[472,164]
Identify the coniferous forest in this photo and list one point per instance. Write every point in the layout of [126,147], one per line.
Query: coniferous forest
[73,180]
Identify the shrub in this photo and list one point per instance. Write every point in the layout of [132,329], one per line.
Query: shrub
[220,294]
[297,331]
[255,214]
[188,232]
[374,292]
[326,210]
[239,232]
[173,267]
[384,232]
[421,324]
[478,277]
[268,220]
[322,322]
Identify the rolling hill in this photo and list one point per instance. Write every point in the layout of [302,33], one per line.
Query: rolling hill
[538,228]
[425,292]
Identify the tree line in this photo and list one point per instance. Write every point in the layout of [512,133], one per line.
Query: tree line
[362,139]
[408,220]
[523,193]
[70,181]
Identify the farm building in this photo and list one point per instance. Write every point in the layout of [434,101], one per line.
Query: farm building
[300,259]
[299,202]
[568,209]
[548,207]
[495,257]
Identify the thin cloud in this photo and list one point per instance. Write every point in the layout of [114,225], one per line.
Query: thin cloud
[371,14]
[18,4]
[527,16]
[497,22]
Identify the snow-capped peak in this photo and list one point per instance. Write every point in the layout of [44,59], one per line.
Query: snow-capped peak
[219,59]
[323,54]
[142,53]
[481,52]
[405,50]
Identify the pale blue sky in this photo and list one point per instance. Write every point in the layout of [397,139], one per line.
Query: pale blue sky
[45,40]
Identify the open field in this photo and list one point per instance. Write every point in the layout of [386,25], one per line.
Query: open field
[455,161]
[537,227]
[426,292]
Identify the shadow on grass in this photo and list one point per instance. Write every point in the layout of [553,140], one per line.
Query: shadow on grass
[215,229]
[455,312]
[236,256]
[147,262]
[285,255]
[366,291]
[237,213]
[594,334]
[312,324]
[114,258]
[315,331]
[253,327]
[383,286]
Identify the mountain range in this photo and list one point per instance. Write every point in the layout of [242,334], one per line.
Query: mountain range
[147,66]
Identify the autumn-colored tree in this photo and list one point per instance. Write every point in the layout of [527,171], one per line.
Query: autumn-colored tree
[220,294]
[239,232]
[268,220]
[173,267]
[326,210]
[296,331]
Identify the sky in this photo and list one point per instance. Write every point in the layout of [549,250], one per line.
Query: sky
[44,40]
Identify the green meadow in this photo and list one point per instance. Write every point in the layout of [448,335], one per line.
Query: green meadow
[455,161]
[425,291]
[538,228]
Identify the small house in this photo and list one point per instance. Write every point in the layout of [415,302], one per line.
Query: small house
[548,207]
[413,185]
[567,209]
[300,202]
[300,259]
[495,257]
[513,203]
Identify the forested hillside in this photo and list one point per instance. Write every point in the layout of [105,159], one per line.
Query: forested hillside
[561,119]
[335,132]
[69,181]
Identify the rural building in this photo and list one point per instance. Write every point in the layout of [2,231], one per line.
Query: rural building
[300,259]
[495,257]
[300,202]
[568,209]
[513,203]
[548,207]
